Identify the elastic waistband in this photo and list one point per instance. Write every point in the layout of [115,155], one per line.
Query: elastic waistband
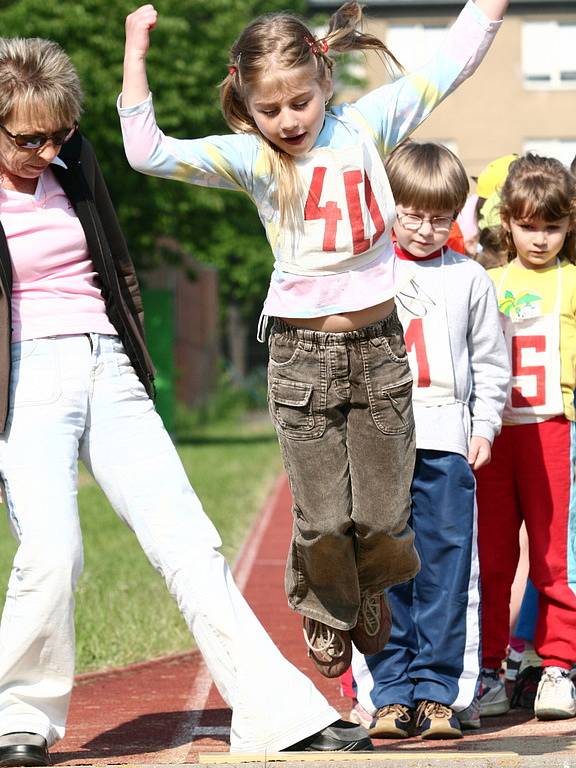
[388,325]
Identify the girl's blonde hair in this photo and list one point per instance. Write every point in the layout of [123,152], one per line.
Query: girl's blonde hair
[283,41]
[427,176]
[37,76]
[539,188]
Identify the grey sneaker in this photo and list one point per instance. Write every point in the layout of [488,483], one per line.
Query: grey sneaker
[469,718]
[493,698]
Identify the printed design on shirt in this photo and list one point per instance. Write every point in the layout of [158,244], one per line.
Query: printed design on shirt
[415,300]
[520,307]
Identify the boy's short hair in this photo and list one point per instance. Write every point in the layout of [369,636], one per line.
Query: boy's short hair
[427,176]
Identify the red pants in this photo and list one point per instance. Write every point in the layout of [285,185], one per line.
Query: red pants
[530,478]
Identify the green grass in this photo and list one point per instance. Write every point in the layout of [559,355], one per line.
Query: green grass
[124,613]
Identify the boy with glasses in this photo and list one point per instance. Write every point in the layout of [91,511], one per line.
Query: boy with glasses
[446,303]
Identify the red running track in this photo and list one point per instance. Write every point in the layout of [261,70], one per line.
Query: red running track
[167,710]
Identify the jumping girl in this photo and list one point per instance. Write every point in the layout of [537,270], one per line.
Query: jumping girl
[531,476]
[339,381]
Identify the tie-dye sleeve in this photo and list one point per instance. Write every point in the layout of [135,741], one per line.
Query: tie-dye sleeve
[393,111]
[225,162]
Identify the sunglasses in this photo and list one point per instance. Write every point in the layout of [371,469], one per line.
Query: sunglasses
[38,140]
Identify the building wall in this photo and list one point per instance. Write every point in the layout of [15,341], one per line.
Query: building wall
[492,113]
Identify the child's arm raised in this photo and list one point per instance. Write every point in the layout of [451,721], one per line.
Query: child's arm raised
[394,110]
[139,24]
[494,9]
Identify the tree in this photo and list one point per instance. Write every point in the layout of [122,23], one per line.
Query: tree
[188,59]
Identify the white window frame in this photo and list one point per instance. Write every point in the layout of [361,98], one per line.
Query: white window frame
[423,45]
[549,55]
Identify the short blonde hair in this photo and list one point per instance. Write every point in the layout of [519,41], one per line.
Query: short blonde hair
[37,76]
[427,176]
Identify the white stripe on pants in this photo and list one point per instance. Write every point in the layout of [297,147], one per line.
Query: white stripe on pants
[75,396]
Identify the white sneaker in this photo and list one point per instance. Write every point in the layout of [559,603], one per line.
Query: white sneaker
[493,698]
[556,696]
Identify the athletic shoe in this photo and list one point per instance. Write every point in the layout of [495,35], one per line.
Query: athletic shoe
[469,718]
[330,649]
[556,696]
[372,630]
[341,736]
[29,749]
[513,663]
[437,721]
[526,687]
[359,715]
[394,721]
[493,698]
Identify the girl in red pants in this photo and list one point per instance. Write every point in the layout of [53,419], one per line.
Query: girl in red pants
[531,476]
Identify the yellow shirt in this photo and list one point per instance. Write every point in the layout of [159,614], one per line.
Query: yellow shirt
[532,292]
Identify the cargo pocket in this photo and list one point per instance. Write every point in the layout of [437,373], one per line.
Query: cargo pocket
[292,411]
[391,408]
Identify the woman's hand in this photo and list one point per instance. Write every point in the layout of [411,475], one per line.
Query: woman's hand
[139,24]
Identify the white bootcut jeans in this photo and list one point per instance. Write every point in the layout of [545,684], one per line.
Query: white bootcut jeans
[79,397]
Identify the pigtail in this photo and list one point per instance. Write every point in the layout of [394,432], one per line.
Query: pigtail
[344,34]
[232,104]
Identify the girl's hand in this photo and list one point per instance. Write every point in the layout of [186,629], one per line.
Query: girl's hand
[480,452]
[139,24]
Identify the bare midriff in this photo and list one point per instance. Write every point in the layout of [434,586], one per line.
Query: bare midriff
[344,321]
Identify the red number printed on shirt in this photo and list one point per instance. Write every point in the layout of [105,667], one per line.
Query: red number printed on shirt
[519,345]
[414,339]
[332,214]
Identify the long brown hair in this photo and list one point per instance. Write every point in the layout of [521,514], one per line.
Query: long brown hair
[539,188]
[283,41]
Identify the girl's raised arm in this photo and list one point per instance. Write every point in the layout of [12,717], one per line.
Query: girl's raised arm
[494,9]
[139,24]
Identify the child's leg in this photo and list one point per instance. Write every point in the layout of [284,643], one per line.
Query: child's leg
[548,497]
[528,615]
[446,591]
[499,521]
[345,428]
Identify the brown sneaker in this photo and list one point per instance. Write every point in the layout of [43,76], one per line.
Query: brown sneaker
[394,721]
[372,630]
[330,649]
[437,721]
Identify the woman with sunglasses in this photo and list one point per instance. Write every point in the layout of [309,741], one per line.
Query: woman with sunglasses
[76,381]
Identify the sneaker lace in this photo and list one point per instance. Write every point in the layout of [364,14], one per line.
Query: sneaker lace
[370,614]
[324,639]
[400,711]
[430,709]
[556,678]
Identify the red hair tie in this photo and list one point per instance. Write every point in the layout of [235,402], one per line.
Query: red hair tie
[318,47]
[232,70]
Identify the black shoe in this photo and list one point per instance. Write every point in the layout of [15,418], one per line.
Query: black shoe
[23,749]
[341,736]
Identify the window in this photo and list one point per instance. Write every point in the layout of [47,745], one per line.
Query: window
[415,44]
[562,149]
[548,60]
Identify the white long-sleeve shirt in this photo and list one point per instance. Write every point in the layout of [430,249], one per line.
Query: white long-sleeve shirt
[480,374]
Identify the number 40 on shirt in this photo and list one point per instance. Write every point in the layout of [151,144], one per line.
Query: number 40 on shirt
[332,213]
